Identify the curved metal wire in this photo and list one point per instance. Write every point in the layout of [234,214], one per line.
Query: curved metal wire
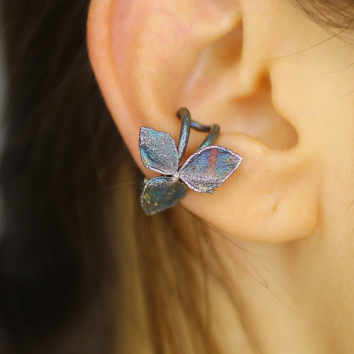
[211,137]
[187,123]
[185,116]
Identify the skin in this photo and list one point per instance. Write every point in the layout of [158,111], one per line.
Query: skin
[281,88]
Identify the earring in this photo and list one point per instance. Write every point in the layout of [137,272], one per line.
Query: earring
[208,168]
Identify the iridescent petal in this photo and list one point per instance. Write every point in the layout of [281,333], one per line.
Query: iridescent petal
[208,168]
[161,193]
[158,151]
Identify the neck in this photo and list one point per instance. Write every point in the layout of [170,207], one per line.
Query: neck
[297,296]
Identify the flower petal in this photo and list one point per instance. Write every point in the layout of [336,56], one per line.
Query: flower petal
[158,151]
[161,193]
[208,168]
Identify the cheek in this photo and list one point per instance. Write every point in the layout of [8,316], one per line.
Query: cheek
[316,102]
[315,91]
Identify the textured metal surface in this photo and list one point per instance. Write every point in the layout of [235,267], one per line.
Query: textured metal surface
[158,151]
[185,116]
[204,171]
[161,193]
[194,125]
[200,127]
[208,168]
[212,136]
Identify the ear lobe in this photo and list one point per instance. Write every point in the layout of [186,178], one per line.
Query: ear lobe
[151,57]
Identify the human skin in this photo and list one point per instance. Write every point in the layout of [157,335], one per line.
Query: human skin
[281,88]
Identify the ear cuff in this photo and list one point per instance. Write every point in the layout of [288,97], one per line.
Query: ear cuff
[204,171]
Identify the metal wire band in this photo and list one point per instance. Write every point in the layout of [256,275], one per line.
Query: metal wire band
[187,124]
[211,137]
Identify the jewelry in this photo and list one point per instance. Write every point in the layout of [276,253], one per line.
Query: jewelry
[207,169]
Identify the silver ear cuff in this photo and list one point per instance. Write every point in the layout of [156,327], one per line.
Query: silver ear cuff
[204,171]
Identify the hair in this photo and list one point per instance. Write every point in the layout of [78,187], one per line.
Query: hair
[76,253]
[329,13]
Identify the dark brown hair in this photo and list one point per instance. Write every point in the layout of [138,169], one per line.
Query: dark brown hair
[61,148]
[329,13]
[65,238]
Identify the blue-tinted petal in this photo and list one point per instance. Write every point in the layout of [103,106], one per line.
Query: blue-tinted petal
[208,168]
[161,193]
[158,151]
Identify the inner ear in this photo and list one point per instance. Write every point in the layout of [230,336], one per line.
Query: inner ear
[230,87]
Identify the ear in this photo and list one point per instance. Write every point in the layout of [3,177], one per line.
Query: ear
[152,57]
